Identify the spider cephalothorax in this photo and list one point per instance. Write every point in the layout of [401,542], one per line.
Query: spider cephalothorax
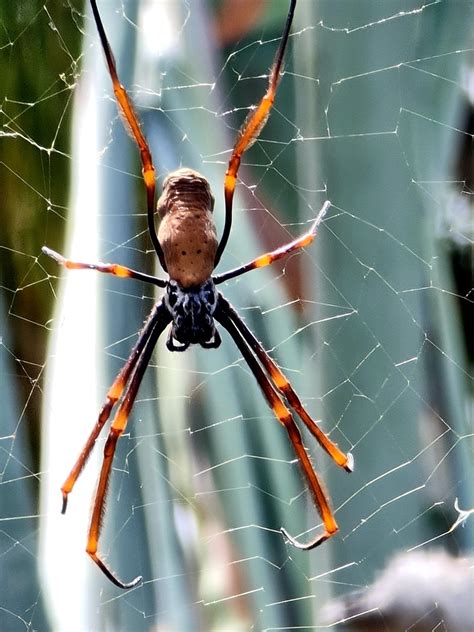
[187,248]
[192,310]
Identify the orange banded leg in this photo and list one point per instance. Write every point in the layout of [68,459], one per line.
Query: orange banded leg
[107,268]
[270,257]
[113,395]
[279,380]
[154,327]
[250,131]
[284,417]
[126,108]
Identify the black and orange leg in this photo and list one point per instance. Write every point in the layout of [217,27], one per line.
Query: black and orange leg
[130,116]
[107,268]
[285,418]
[114,394]
[281,382]
[250,131]
[158,322]
[270,257]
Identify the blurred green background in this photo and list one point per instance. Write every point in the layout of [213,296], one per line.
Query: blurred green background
[372,114]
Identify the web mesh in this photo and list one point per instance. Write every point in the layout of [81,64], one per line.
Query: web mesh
[366,322]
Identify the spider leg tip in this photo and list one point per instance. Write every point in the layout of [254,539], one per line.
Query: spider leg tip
[307,546]
[285,534]
[53,254]
[125,586]
[324,209]
[48,252]
[320,216]
[64,505]
[349,466]
[135,582]
[299,545]
[108,573]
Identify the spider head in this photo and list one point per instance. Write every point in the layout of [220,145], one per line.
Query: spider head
[192,310]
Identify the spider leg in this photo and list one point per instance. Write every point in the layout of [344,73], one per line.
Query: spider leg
[114,394]
[127,110]
[156,324]
[270,257]
[281,382]
[107,268]
[284,417]
[250,131]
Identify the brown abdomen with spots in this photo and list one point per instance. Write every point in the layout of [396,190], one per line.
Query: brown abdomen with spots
[187,233]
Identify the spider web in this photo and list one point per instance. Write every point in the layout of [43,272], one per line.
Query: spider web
[367,322]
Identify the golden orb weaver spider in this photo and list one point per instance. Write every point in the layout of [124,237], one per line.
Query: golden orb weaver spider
[188,250]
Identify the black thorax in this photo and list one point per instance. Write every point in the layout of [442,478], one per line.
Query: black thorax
[192,311]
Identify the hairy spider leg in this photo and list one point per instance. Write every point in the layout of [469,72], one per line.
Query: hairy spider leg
[270,257]
[285,418]
[115,269]
[159,319]
[114,394]
[130,116]
[250,131]
[281,382]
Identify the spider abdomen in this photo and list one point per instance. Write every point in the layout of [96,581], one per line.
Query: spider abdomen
[187,233]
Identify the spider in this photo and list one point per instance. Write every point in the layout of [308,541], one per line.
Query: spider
[188,251]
